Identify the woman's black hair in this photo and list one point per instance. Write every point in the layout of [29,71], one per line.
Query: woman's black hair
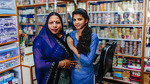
[55,13]
[84,42]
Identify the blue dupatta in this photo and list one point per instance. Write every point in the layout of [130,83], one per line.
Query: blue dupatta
[48,50]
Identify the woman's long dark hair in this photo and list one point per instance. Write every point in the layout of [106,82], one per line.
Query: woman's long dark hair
[84,42]
[55,13]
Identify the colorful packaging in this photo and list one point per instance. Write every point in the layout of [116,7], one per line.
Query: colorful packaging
[128,34]
[126,75]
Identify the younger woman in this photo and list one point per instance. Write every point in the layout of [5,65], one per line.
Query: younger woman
[83,42]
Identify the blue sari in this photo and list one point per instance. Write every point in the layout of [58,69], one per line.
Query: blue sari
[48,50]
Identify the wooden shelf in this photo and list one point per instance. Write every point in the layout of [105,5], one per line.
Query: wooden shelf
[9,69]
[147,57]
[22,6]
[130,56]
[34,79]
[127,69]
[112,11]
[31,5]
[48,14]
[117,80]
[60,2]
[119,39]
[42,14]
[34,5]
[9,59]
[146,72]
[8,15]
[8,42]
[127,25]
[28,66]
[27,14]
[40,24]
[71,0]
[29,54]
[26,24]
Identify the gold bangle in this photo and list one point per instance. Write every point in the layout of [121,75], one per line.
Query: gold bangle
[64,65]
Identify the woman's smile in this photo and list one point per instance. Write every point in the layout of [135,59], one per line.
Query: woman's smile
[77,26]
[55,30]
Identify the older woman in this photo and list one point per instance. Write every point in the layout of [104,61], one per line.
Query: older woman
[51,53]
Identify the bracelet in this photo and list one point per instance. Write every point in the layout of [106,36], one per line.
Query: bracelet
[64,65]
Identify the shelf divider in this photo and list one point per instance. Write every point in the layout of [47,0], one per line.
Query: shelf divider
[9,69]
[9,59]
[8,15]
[117,80]
[8,42]
[131,56]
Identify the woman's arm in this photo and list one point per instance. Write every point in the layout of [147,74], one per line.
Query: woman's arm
[41,62]
[71,46]
[83,58]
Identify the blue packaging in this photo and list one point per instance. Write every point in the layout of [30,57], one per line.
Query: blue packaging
[1,80]
[8,53]
[8,29]
[116,18]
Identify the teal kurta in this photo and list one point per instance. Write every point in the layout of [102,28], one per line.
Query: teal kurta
[83,73]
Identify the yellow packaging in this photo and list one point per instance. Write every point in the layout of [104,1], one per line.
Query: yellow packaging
[128,35]
[123,33]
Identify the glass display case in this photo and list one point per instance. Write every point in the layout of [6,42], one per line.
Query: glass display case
[27,25]
[41,15]
[147,46]
[8,29]
[25,2]
[116,12]
[7,7]
[9,43]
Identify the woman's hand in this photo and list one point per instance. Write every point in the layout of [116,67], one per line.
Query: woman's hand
[71,46]
[69,63]
[70,42]
[66,64]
